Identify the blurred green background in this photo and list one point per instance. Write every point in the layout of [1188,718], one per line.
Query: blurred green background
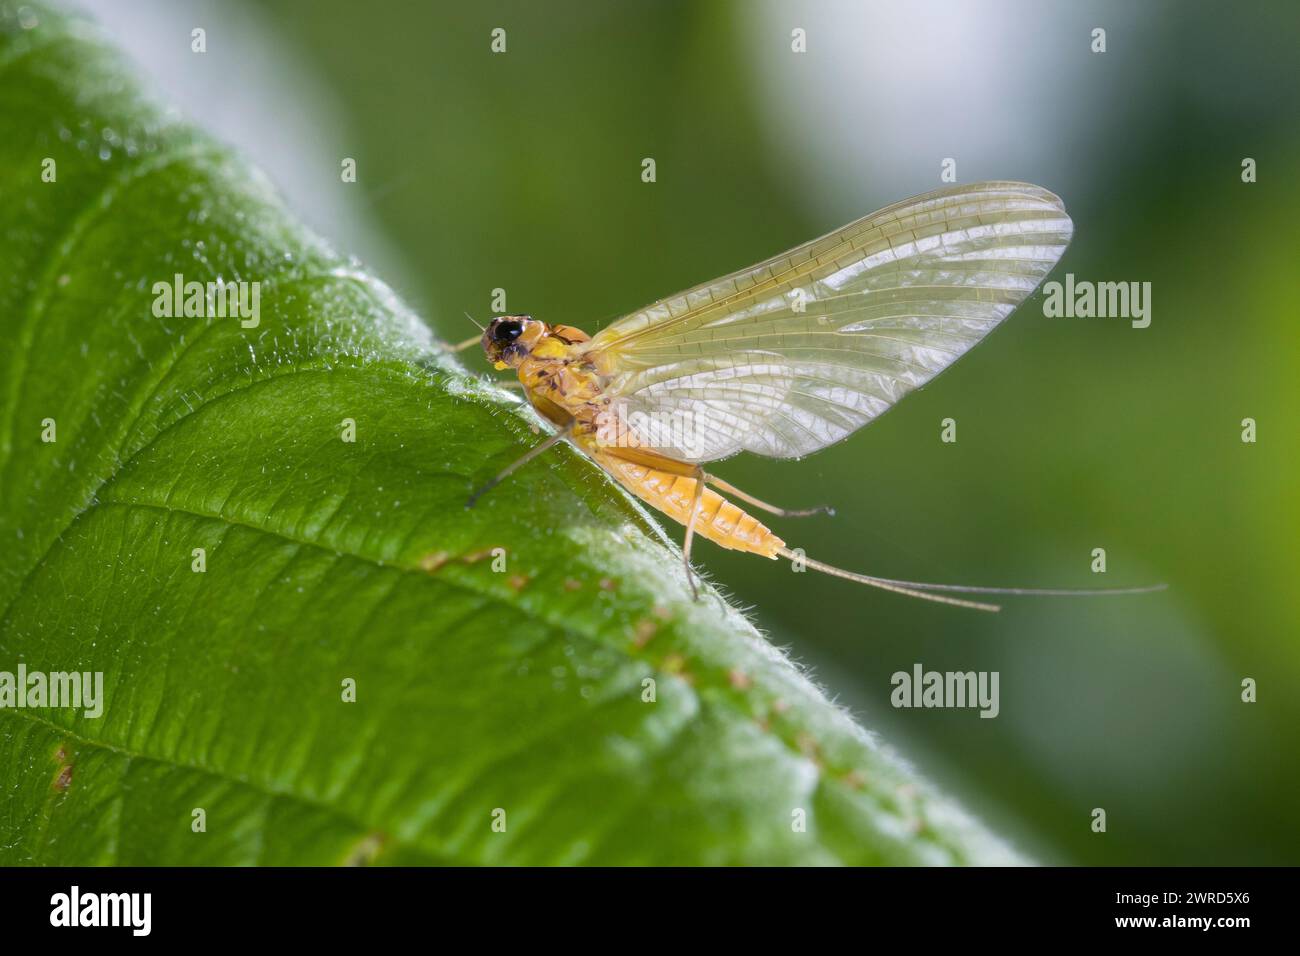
[521,171]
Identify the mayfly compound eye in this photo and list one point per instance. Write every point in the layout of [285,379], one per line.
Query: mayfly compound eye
[508,331]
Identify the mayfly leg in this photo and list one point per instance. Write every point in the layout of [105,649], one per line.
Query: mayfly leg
[462,346]
[468,343]
[731,489]
[519,462]
[690,531]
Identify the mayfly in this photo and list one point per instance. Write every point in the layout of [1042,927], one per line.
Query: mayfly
[787,357]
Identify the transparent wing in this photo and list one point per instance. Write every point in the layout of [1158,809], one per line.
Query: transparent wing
[795,353]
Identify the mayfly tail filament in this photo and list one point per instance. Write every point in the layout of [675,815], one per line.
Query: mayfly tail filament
[925,589]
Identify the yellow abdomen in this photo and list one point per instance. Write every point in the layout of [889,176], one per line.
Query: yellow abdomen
[717,519]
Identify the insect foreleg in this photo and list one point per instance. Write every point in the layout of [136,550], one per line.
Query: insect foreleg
[461,346]
[731,489]
[518,463]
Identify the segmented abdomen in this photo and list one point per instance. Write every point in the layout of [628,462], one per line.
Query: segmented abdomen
[717,519]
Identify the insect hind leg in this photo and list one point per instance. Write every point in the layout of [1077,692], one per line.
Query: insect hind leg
[731,489]
[696,498]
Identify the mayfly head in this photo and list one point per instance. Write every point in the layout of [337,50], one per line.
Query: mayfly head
[509,339]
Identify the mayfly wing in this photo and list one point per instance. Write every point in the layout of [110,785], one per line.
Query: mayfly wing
[795,353]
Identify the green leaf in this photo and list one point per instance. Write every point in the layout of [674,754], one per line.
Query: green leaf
[326,561]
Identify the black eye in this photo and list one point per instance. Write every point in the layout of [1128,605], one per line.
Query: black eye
[508,331]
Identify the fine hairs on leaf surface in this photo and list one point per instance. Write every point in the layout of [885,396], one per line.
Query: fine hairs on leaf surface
[534,663]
